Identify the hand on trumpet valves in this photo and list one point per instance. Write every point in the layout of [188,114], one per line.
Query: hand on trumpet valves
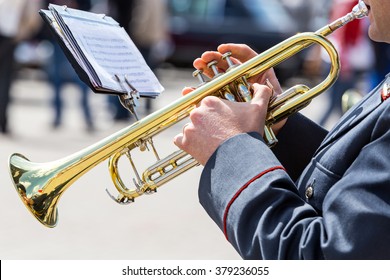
[215,120]
[240,53]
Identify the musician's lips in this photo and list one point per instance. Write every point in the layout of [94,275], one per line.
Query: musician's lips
[368,6]
[369,9]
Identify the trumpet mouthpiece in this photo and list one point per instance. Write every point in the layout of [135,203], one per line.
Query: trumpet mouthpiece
[360,10]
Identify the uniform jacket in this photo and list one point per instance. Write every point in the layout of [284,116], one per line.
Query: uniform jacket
[316,195]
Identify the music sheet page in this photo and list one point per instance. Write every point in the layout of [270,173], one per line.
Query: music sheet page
[110,52]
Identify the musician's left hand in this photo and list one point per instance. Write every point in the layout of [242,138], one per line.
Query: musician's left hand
[240,54]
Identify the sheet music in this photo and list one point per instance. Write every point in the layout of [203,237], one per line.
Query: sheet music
[104,50]
[54,25]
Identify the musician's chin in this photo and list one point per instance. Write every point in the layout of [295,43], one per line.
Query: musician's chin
[375,35]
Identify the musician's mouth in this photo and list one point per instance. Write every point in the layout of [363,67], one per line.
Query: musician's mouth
[368,6]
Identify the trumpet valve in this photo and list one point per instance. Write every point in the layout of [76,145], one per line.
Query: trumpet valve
[199,74]
[213,66]
[231,64]
[229,96]
[242,85]
[244,91]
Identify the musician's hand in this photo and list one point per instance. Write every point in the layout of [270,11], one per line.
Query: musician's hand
[215,120]
[240,54]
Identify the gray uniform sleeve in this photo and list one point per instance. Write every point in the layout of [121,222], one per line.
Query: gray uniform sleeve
[247,192]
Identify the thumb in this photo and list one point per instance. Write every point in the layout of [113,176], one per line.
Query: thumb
[178,140]
[261,94]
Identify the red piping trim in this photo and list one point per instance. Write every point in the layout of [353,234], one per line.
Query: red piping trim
[240,191]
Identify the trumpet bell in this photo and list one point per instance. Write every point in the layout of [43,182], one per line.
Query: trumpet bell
[29,180]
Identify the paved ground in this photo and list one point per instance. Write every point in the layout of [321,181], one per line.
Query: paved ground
[168,225]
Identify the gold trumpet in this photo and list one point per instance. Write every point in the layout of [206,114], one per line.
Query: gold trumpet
[40,185]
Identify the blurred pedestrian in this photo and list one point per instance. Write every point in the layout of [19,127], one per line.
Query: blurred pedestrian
[19,20]
[60,72]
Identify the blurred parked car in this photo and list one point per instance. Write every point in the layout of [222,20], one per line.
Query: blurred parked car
[200,25]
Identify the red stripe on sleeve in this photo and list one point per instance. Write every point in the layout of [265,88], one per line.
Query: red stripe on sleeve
[240,191]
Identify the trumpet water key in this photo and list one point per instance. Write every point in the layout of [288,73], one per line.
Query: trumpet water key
[40,185]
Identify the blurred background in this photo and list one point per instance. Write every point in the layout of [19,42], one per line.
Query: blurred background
[47,114]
